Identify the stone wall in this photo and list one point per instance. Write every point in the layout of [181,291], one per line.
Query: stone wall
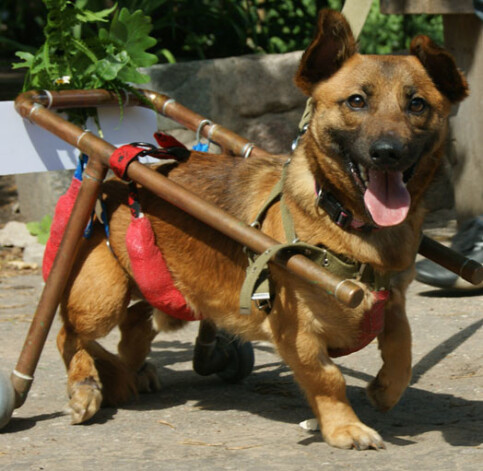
[38,192]
[253,96]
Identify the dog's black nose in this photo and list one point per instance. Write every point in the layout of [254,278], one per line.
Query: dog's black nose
[386,151]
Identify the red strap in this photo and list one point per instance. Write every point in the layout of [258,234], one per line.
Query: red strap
[166,141]
[151,272]
[122,157]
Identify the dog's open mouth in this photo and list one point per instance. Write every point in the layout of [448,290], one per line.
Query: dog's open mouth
[385,195]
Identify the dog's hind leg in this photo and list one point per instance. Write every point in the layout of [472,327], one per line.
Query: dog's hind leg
[94,302]
[95,376]
[83,383]
[395,345]
[137,332]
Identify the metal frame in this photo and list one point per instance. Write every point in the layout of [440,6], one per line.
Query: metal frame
[36,106]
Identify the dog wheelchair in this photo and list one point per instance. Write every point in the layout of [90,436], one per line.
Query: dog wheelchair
[215,351]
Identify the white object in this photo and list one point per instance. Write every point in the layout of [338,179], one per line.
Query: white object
[27,148]
[311,425]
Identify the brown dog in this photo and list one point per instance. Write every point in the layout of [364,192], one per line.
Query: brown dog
[370,151]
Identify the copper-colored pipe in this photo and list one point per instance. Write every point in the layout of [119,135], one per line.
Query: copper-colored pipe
[469,270]
[345,291]
[229,141]
[35,111]
[22,376]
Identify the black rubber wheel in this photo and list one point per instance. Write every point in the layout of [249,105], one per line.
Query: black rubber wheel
[241,357]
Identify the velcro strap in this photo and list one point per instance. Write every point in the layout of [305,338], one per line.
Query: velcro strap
[122,157]
[166,140]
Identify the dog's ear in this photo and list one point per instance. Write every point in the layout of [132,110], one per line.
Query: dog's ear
[441,67]
[332,45]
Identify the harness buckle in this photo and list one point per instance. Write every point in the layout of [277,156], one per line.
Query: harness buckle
[263,301]
[295,142]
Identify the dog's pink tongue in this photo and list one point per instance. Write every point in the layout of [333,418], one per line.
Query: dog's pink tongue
[387,198]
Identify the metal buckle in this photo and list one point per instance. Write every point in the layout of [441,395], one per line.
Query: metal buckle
[262,301]
[343,219]
[295,142]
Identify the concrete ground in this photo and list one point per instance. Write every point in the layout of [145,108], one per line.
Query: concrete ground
[202,423]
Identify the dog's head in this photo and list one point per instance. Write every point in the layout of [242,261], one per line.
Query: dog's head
[379,122]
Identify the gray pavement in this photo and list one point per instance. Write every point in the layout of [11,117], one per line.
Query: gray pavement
[202,423]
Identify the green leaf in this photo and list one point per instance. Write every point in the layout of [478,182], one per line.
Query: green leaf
[43,238]
[33,227]
[93,57]
[131,75]
[132,31]
[41,229]
[80,45]
[168,56]
[109,67]
[45,223]
[27,57]
[86,16]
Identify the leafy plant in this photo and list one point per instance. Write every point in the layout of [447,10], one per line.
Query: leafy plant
[21,26]
[205,29]
[384,34]
[78,53]
[41,229]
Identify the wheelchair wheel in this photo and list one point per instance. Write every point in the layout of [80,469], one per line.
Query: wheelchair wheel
[241,357]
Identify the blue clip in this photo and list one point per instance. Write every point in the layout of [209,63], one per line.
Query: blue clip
[80,166]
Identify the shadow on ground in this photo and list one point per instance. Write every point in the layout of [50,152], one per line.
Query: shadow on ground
[271,392]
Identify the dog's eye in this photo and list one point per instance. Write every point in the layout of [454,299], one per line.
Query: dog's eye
[417,105]
[356,102]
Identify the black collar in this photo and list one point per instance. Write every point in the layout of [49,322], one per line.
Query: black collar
[337,213]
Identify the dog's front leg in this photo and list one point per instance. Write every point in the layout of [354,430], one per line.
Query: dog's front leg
[323,384]
[395,345]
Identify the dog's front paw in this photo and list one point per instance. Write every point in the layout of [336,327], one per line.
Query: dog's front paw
[85,400]
[147,379]
[385,394]
[354,435]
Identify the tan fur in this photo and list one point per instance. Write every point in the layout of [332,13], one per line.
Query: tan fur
[209,269]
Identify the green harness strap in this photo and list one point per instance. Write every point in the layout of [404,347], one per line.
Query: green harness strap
[258,286]
[276,194]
